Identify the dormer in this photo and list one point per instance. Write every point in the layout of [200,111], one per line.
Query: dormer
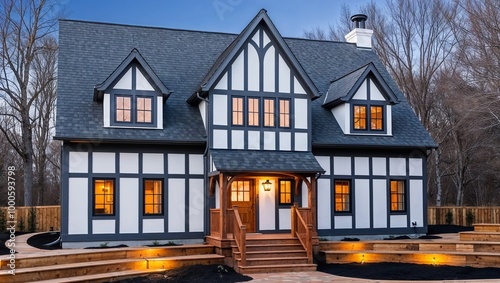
[132,96]
[361,102]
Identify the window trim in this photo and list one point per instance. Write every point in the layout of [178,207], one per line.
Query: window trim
[242,111]
[349,186]
[144,204]
[405,196]
[368,105]
[289,113]
[105,195]
[254,113]
[292,186]
[268,113]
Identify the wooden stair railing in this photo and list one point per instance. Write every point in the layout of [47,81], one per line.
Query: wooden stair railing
[239,235]
[302,231]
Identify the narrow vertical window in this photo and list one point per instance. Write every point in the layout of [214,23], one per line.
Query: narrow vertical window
[269,112]
[253,112]
[376,118]
[153,195]
[284,113]
[398,198]
[342,196]
[104,191]
[123,109]
[144,109]
[285,192]
[359,117]
[237,110]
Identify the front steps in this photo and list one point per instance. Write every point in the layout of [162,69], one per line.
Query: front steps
[476,249]
[105,265]
[273,253]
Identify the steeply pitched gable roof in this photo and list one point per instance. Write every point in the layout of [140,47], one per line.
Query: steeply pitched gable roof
[231,51]
[133,56]
[344,88]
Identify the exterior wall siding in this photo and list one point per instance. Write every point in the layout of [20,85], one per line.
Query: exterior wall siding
[369,177]
[184,201]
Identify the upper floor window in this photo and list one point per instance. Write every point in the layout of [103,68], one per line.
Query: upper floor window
[371,120]
[253,112]
[133,109]
[269,112]
[144,109]
[237,111]
[285,192]
[398,196]
[342,196]
[284,113]
[123,108]
[153,196]
[104,191]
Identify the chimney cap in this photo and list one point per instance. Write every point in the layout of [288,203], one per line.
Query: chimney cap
[359,20]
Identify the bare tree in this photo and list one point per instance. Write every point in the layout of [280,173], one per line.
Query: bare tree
[24,24]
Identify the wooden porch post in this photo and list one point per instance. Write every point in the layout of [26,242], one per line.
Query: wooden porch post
[223,205]
[312,201]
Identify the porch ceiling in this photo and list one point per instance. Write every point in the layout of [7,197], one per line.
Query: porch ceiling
[246,161]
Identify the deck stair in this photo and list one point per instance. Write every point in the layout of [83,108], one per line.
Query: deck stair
[478,248]
[99,265]
[273,253]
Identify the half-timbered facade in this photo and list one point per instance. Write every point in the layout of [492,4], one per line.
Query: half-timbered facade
[169,134]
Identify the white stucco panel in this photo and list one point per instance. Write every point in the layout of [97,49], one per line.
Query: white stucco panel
[379,203]
[103,162]
[238,74]
[129,206]
[361,93]
[375,93]
[153,225]
[141,83]
[324,204]
[267,206]
[416,167]
[379,166]
[220,109]
[284,76]
[78,162]
[343,222]
[220,139]
[106,108]
[397,166]
[129,163]
[222,84]
[301,113]
[266,39]
[269,140]
[196,205]
[159,113]
[237,139]
[152,163]
[176,205]
[340,115]
[342,165]
[361,166]
[103,226]
[305,195]
[324,161]
[417,202]
[253,140]
[196,164]
[202,106]
[176,163]
[297,87]
[269,70]
[253,69]
[301,142]
[399,221]
[78,195]
[362,198]
[125,82]
[285,141]
[285,217]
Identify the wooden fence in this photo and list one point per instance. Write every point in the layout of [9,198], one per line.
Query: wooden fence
[437,215]
[33,219]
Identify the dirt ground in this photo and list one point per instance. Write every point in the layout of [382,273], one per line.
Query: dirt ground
[376,271]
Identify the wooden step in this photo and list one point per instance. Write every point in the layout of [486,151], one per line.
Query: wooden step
[272,241]
[180,261]
[274,261]
[480,236]
[272,247]
[486,227]
[277,268]
[74,269]
[103,277]
[474,259]
[268,254]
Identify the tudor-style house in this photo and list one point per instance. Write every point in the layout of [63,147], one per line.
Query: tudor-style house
[165,131]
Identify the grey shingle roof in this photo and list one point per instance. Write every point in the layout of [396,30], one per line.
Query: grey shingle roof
[341,87]
[90,52]
[265,161]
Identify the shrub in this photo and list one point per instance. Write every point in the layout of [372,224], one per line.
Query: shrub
[469,218]
[32,220]
[449,217]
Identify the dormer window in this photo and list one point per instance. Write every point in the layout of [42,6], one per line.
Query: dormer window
[364,120]
[134,109]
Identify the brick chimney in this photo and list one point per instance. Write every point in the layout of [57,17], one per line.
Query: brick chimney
[360,34]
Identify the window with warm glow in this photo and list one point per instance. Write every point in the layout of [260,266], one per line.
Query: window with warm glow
[360,117]
[285,192]
[123,108]
[398,198]
[284,113]
[237,110]
[153,195]
[376,118]
[144,109]
[269,112]
[240,190]
[342,196]
[104,190]
[253,112]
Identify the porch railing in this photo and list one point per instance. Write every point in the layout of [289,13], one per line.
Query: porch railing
[215,222]
[239,233]
[302,230]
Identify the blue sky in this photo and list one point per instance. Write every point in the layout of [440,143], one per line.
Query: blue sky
[291,17]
